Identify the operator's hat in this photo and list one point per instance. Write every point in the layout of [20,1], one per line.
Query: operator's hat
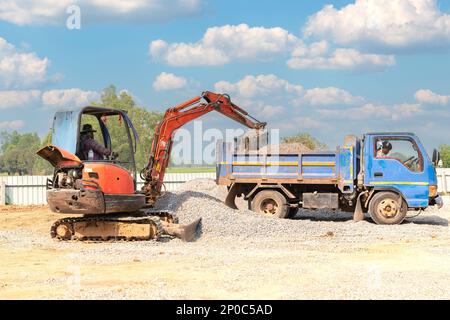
[87,128]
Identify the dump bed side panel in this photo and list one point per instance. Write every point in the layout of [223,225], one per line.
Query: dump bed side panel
[321,167]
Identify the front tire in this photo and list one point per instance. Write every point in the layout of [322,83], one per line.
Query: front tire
[271,203]
[384,208]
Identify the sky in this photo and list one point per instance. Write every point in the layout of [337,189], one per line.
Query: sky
[330,68]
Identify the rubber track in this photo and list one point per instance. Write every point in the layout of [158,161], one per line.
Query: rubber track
[150,217]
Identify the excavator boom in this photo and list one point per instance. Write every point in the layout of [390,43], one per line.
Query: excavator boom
[176,117]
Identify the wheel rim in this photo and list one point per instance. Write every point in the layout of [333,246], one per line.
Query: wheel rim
[269,207]
[388,208]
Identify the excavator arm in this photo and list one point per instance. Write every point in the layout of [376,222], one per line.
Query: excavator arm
[176,117]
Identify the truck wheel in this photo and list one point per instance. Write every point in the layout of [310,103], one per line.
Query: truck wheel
[384,208]
[271,203]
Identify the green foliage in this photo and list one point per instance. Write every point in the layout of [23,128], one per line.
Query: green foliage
[190,169]
[17,152]
[42,166]
[444,149]
[305,139]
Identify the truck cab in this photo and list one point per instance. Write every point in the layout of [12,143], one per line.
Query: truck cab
[404,167]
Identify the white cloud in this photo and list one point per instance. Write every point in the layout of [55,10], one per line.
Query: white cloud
[271,87]
[69,98]
[426,96]
[394,24]
[169,81]
[21,69]
[12,125]
[228,43]
[374,111]
[43,12]
[261,85]
[306,123]
[328,96]
[270,111]
[341,58]
[12,98]
[220,45]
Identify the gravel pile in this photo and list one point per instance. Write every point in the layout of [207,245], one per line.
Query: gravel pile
[203,198]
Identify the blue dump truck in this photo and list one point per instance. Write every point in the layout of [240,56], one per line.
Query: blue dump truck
[382,174]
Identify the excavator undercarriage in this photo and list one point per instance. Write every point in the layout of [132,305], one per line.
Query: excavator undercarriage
[140,226]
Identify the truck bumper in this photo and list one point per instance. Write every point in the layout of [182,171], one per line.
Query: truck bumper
[437,201]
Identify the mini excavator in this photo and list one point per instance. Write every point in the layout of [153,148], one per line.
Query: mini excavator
[104,192]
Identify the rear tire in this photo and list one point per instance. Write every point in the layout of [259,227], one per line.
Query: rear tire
[384,208]
[271,203]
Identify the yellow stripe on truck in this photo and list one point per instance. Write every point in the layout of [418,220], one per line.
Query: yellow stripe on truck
[318,163]
[285,163]
[408,183]
[249,163]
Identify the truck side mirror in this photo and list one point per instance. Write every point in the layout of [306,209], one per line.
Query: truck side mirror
[436,157]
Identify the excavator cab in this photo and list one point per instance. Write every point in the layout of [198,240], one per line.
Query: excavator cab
[112,129]
[93,185]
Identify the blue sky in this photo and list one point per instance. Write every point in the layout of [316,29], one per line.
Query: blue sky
[305,66]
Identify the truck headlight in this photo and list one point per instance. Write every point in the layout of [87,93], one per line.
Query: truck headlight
[432,191]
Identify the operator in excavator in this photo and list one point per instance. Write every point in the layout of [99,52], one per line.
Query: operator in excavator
[88,143]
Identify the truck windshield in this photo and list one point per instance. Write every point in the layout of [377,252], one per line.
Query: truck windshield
[400,149]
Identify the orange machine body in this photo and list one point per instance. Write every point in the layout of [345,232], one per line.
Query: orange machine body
[111,178]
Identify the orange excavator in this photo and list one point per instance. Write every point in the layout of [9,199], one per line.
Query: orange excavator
[104,191]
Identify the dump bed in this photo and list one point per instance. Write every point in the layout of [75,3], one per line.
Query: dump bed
[312,167]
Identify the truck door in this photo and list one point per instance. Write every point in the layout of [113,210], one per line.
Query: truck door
[397,162]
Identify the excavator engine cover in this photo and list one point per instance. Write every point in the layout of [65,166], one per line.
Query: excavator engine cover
[92,202]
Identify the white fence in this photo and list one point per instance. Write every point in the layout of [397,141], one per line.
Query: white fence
[25,190]
[443,175]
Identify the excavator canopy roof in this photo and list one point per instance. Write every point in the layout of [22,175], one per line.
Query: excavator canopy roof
[66,126]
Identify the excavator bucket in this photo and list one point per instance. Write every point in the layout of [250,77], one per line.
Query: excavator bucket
[229,200]
[186,233]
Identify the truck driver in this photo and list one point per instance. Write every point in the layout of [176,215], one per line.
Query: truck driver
[383,152]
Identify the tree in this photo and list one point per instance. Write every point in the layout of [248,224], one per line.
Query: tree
[305,139]
[17,152]
[42,166]
[444,150]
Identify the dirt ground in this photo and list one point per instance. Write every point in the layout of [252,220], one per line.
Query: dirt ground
[330,265]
